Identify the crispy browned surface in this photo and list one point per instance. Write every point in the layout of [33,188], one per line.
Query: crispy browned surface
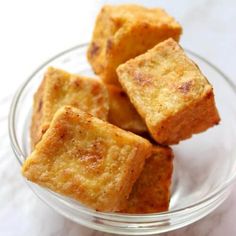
[37,129]
[151,192]
[60,88]
[169,92]
[125,31]
[122,113]
[87,159]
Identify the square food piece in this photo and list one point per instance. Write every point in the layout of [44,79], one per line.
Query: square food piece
[60,88]
[122,112]
[151,191]
[90,160]
[169,92]
[125,31]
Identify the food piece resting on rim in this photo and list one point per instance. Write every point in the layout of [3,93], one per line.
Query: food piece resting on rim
[60,88]
[87,159]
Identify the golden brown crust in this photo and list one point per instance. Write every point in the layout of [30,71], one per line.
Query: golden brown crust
[36,131]
[169,92]
[87,159]
[125,31]
[60,88]
[122,113]
[151,191]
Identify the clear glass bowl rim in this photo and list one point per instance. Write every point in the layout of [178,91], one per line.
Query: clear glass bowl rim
[158,216]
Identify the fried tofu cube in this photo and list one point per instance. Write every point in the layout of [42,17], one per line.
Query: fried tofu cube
[151,191]
[122,113]
[60,88]
[125,31]
[87,159]
[169,92]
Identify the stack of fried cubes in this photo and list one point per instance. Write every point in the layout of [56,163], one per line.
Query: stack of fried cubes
[105,142]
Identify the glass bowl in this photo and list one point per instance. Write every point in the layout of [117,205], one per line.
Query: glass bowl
[204,166]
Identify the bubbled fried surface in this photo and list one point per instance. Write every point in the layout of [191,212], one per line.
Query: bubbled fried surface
[169,92]
[125,31]
[61,88]
[85,158]
[122,113]
[151,191]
